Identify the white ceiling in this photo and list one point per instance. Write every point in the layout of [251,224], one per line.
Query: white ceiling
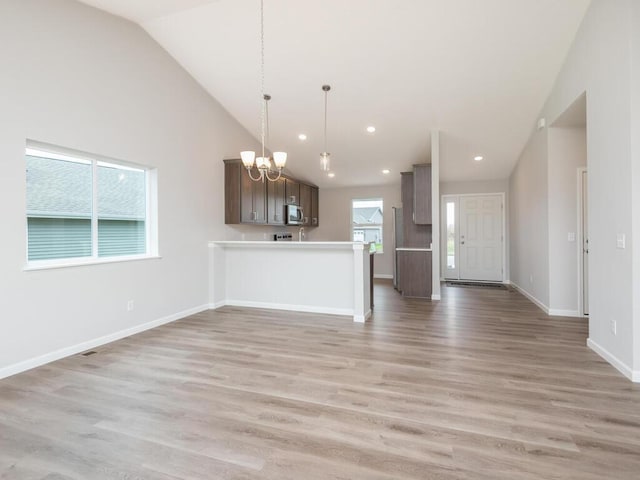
[477,70]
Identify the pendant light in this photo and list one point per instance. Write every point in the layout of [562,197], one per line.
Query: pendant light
[325,157]
[249,159]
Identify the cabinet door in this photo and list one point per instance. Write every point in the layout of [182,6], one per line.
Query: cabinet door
[422,194]
[232,192]
[247,214]
[275,202]
[315,207]
[259,201]
[414,274]
[253,202]
[305,203]
[292,192]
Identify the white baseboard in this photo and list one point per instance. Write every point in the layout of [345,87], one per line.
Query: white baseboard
[537,302]
[435,296]
[94,343]
[557,312]
[362,318]
[633,375]
[383,276]
[287,306]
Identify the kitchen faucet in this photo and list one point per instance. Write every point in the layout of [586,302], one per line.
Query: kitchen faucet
[301,234]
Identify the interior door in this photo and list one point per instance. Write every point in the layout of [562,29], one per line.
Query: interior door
[585,246]
[481,237]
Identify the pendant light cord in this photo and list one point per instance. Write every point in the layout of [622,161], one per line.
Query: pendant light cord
[325,120]
[263,100]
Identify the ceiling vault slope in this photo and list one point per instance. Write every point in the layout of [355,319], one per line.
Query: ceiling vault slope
[479,71]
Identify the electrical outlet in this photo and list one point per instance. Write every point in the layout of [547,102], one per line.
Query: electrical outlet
[613,327]
[531,279]
[571,237]
[129,305]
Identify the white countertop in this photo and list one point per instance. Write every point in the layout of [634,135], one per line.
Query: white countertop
[287,244]
[410,249]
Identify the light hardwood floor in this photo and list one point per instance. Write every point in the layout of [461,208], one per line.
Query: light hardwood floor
[481,385]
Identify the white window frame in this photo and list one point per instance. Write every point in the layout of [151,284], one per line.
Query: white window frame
[151,221]
[380,225]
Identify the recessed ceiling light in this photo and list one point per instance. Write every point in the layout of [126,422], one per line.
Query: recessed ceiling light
[371,129]
[302,136]
[331,174]
[386,171]
[478,158]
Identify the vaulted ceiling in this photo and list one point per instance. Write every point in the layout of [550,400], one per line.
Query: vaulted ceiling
[478,71]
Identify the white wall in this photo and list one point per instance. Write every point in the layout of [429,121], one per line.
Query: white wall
[528,221]
[335,218]
[79,78]
[599,62]
[567,152]
[635,178]
[483,186]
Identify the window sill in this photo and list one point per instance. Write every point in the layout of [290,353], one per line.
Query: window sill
[45,265]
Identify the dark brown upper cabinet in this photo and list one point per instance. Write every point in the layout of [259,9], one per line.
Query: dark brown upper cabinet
[305,203]
[292,192]
[422,194]
[415,236]
[275,202]
[245,200]
[263,203]
[315,207]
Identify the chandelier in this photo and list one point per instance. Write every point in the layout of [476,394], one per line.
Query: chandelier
[263,163]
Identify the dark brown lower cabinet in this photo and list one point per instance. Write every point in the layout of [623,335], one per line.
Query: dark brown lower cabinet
[414,273]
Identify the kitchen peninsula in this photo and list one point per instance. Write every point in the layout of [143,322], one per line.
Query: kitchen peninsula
[321,277]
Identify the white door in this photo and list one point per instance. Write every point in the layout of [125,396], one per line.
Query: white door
[585,246]
[481,237]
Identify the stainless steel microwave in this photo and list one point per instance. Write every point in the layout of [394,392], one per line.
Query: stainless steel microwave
[294,215]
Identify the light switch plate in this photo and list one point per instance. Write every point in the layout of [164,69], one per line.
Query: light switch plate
[621,241]
[571,237]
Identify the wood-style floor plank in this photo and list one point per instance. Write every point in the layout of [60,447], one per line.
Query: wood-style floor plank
[481,385]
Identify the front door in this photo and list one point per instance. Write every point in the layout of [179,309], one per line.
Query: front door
[481,237]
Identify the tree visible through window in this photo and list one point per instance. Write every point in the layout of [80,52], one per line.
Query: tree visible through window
[81,207]
[367,220]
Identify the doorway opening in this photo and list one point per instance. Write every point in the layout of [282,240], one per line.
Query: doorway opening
[473,237]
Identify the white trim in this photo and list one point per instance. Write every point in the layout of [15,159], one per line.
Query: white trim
[435,297]
[288,306]
[580,241]
[362,318]
[94,343]
[84,261]
[633,375]
[385,276]
[282,245]
[537,302]
[557,312]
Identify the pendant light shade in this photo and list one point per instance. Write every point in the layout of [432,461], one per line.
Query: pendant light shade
[280,159]
[247,158]
[325,161]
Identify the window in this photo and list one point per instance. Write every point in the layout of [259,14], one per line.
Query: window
[82,209]
[366,217]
